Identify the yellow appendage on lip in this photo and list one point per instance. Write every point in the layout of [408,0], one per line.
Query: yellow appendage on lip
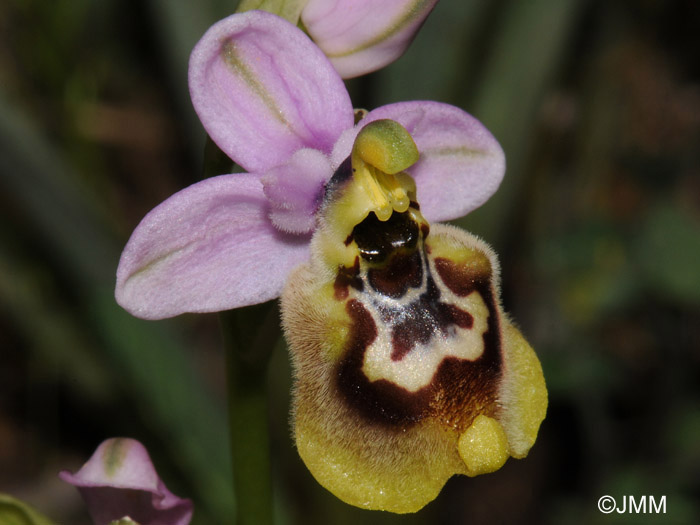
[483,446]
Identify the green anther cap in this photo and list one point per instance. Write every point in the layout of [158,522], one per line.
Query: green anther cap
[386,145]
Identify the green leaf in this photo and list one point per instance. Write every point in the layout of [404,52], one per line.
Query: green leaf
[16,512]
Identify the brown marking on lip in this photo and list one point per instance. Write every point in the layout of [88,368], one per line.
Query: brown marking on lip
[425,318]
[465,389]
[462,278]
[347,277]
[459,391]
[425,230]
[404,271]
[380,401]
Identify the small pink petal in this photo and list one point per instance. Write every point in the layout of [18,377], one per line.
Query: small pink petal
[119,480]
[295,190]
[361,36]
[209,247]
[263,90]
[461,164]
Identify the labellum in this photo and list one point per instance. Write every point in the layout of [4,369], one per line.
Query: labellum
[407,371]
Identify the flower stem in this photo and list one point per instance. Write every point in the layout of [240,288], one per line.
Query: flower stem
[250,335]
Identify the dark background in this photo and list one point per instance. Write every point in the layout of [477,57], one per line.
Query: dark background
[597,223]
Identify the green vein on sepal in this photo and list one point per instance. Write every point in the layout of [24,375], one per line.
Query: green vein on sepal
[413,10]
[234,61]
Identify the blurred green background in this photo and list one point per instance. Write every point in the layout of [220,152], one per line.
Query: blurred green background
[597,223]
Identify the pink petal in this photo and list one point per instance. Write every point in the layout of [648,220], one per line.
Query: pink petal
[360,36]
[209,247]
[461,164]
[295,190]
[263,90]
[119,480]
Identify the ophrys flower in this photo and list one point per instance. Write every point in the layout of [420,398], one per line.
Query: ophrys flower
[407,370]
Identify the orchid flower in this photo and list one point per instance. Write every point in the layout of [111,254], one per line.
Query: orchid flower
[407,370]
[120,485]
[358,36]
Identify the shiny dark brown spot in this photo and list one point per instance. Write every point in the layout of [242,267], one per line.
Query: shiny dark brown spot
[377,239]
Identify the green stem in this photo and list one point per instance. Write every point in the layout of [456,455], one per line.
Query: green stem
[250,334]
